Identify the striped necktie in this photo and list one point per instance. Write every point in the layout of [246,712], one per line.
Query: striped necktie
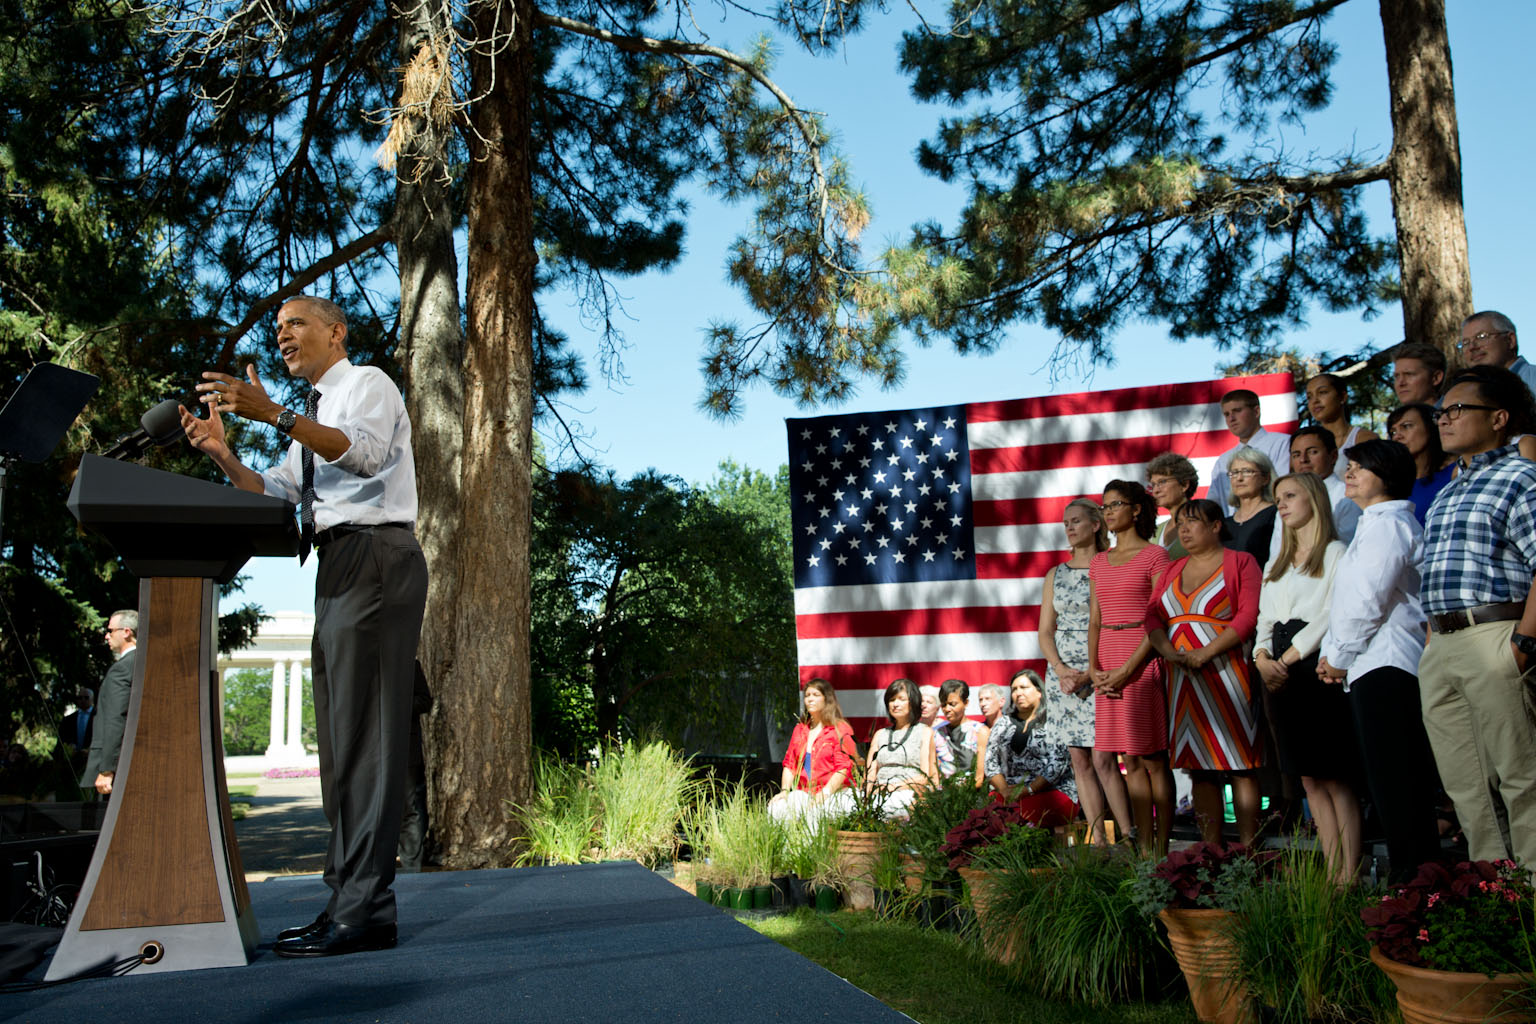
[307,501]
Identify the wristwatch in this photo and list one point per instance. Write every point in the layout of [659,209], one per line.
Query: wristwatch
[285,420]
[1526,644]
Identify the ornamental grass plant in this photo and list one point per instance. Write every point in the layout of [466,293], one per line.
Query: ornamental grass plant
[1302,949]
[642,791]
[1076,934]
[559,825]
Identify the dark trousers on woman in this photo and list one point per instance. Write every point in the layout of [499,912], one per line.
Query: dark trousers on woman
[1399,766]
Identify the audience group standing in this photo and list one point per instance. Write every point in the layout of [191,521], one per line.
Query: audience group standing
[1354,614]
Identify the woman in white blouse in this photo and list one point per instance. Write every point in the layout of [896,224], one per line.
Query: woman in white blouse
[1375,636]
[1314,736]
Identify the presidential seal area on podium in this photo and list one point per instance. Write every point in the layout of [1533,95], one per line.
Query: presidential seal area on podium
[165,884]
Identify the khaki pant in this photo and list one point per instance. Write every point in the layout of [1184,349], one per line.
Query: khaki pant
[1481,720]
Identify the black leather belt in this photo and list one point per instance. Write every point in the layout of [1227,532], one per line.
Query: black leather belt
[1123,625]
[1450,622]
[335,533]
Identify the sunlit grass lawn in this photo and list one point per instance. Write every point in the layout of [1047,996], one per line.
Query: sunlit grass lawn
[935,977]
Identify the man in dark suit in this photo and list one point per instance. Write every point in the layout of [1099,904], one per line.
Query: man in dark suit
[112,703]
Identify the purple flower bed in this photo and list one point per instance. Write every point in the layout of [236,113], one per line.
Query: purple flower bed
[291,773]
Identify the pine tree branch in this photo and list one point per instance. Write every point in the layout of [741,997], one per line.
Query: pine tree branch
[686,48]
[372,240]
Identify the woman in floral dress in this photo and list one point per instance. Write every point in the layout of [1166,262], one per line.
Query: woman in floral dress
[1069,690]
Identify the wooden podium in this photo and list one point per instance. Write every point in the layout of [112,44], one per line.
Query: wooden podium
[165,882]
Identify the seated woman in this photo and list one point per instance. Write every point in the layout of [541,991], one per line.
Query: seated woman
[956,739]
[819,761]
[1202,619]
[901,761]
[1023,764]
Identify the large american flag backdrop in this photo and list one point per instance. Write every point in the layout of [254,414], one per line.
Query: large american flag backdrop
[921,537]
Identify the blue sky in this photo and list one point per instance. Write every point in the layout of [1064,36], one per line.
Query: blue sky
[650,417]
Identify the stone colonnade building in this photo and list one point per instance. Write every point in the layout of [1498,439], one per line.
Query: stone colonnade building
[282,646]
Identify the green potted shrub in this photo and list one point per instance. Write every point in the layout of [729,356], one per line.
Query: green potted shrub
[934,813]
[1456,941]
[991,839]
[1193,892]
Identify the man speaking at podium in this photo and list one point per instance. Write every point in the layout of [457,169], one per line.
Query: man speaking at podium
[350,470]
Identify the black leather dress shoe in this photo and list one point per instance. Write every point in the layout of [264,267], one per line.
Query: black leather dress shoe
[338,940]
[314,927]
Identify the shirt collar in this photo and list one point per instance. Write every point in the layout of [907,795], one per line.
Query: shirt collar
[330,378]
[1394,507]
[1489,457]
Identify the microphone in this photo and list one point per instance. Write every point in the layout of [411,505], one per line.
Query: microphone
[159,427]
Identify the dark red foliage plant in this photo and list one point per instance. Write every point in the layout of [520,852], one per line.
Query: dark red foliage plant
[981,827]
[1476,916]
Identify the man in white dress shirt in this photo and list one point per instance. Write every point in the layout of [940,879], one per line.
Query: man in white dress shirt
[1240,408]
[350,469]
[1313,450]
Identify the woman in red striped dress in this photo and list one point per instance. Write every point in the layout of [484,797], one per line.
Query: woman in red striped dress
[1202,620]
[1130,711]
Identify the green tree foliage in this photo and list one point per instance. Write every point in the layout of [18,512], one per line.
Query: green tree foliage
[83,283]
[1127,160]
[248,712]
[672,607]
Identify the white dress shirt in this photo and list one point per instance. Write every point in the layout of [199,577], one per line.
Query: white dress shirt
[1376,620]
[374,480]
[1276,446]
[1298,596]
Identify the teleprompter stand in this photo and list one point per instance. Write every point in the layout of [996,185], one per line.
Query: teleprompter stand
[166,883]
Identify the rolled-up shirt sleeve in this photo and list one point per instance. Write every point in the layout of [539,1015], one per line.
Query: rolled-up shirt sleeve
[282,480]
[369,423]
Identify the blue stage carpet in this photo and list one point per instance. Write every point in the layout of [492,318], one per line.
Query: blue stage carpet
[612,943]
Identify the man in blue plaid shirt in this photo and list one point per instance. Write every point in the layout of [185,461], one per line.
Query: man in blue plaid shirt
[1480,593]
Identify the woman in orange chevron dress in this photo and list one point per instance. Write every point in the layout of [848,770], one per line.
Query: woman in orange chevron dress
[1202,620]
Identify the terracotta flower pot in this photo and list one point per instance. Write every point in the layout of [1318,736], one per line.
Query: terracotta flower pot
[1428,996]
[996,937]
[911,873]
[1203,947]
[856,854]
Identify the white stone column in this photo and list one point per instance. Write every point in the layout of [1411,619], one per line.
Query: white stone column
[275,738]
[295,744]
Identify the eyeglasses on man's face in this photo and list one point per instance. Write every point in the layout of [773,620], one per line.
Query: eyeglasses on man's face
[1478,338]
[1453,412]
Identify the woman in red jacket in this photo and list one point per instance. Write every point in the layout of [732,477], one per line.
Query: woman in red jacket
[819,760]
[1202,618]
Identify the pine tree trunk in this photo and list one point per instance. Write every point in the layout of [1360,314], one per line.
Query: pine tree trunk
[432,352]
[482,740]
[1426,173]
